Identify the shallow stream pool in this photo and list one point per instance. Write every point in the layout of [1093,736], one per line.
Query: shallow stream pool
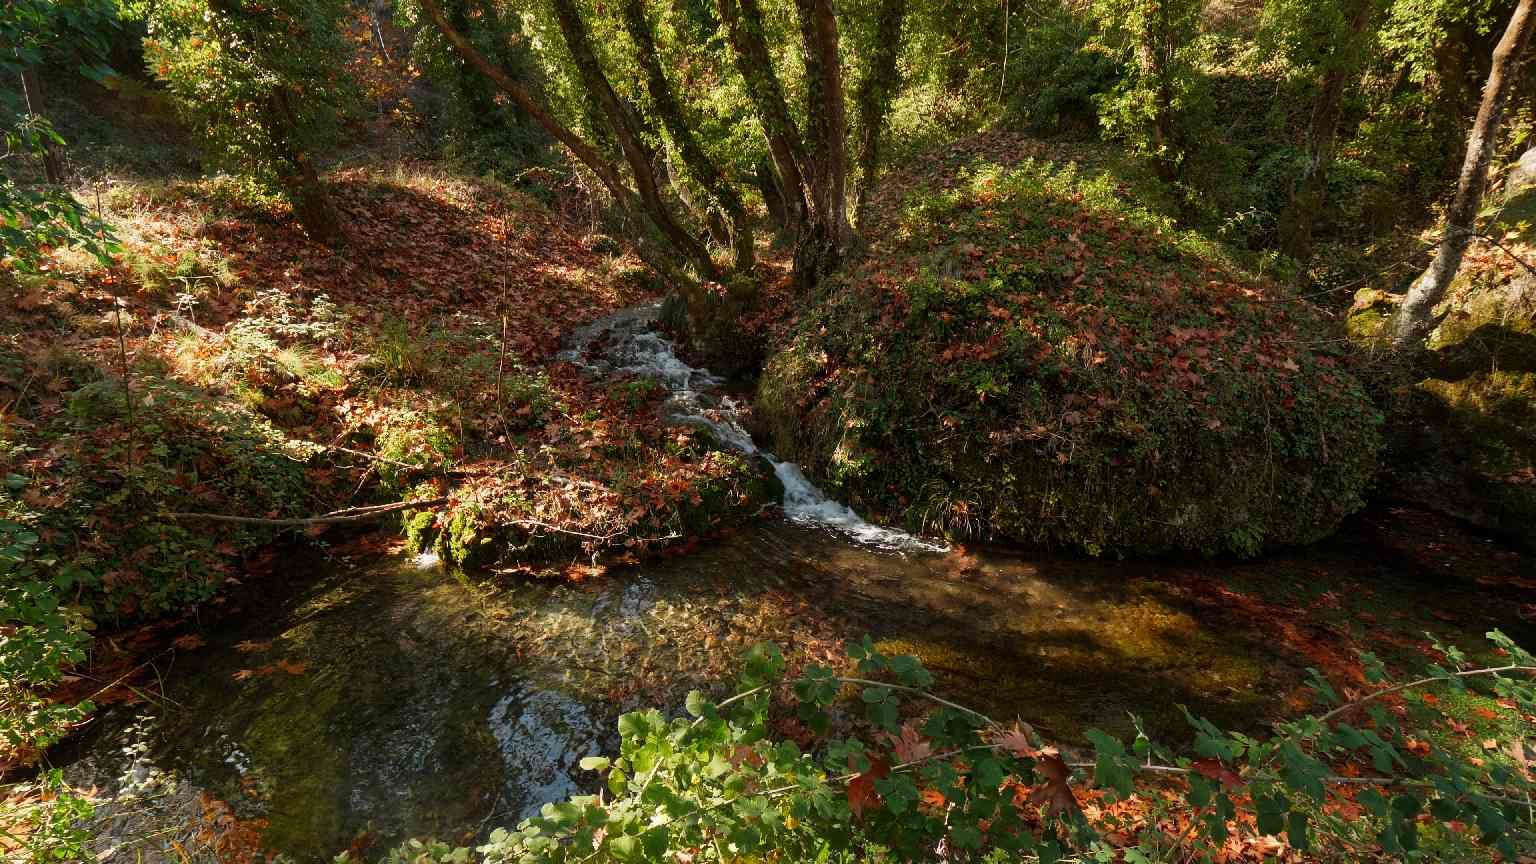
[377,700]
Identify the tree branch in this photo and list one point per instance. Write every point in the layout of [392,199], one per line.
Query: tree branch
[351,514]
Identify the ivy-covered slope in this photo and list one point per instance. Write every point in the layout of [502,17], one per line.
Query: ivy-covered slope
[1025,352]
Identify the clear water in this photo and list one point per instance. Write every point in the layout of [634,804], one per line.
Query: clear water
[353,699]
[626,343]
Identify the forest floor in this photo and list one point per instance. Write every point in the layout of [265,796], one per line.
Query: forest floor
[416,359]
[420,360]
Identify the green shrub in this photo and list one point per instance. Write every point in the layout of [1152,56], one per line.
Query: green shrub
[181,450]
[914,777]
[41,632]
[262,87]
[1025,354]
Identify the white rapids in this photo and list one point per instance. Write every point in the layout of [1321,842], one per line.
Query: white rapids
[633,347]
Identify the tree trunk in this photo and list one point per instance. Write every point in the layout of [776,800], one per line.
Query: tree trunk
[1416,317]
[1311,191]
[819,248]
[876,90]
[773,199]
[311,201]
[695,159]
[586,154]
[625,127]
[828,121]
[744,29]
[32,95]
[1152,55]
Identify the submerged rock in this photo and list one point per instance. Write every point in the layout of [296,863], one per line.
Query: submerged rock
[1026,353]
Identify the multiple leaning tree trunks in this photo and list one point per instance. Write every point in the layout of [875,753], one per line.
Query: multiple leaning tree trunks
[809,171]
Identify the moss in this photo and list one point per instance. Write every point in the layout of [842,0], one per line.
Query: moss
[1463,422]
[462,541]
[1025,353]
[1369,318]
[418,529]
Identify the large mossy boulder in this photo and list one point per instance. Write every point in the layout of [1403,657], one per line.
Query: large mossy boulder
[1462,416]
[1025,352]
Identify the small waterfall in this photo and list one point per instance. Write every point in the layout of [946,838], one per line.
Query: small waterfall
[631,346]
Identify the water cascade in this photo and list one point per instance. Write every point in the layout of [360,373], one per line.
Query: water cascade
[626,343]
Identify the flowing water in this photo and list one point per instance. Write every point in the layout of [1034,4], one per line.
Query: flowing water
[359,699]
[626,343]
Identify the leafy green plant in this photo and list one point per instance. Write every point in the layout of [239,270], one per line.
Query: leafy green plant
[182,449]
[35,217]
[41,633]
[47,820]
[923,778]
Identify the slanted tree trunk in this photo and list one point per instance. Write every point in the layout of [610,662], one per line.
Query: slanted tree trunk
[1311,192]
[32,96]
[1416,317]
[695,159]
[583,152]
[626,128]
[873,100]
[744,29]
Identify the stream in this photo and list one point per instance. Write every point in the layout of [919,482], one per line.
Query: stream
[357,699]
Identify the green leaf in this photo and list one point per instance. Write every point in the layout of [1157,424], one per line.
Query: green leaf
[1296,831]
[1271,811]
[626,848]
[594,763]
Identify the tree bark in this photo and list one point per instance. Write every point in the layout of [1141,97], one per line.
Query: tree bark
[1152,55]
[828,120]
[311,201]
[876,90]
[744,29]
[625,127]
[695,159]
[1311,191]
[773,199]
[1416,317]
[32,95]
[586,154]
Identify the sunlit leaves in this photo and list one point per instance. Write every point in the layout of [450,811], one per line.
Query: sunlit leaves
[715,788]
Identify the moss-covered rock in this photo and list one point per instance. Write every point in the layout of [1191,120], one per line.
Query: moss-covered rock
[1462,420]
[507,519]
[1026,353]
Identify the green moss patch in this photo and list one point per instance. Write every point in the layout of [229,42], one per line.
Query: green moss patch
[1462,436]
[1026,353]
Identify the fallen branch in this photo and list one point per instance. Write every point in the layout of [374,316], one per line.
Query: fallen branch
[351,514]
[409,466]
[1470,673]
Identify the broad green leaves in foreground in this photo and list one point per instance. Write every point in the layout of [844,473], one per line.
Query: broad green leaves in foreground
[930,780]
